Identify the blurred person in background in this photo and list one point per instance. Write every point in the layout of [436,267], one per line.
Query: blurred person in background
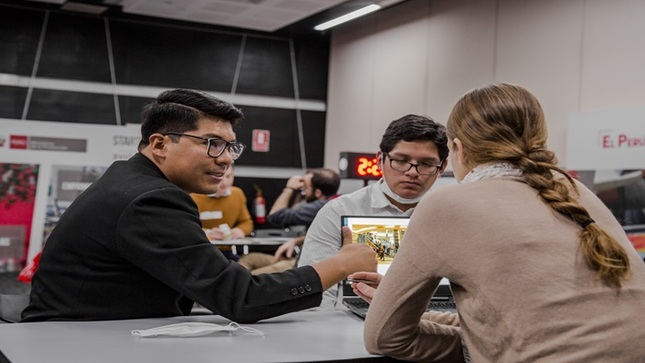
[297,205]
[224,214]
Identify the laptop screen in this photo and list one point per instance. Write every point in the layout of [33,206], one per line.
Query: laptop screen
[382,233]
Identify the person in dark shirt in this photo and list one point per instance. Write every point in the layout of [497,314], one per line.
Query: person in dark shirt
[302,198]
[132,245]
[297,205]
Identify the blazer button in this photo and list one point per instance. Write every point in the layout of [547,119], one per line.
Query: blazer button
[294,291]
[301,290]
[308,288]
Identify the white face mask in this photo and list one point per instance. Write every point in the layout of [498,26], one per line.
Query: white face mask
[226,193]
[386,189]
[193,330]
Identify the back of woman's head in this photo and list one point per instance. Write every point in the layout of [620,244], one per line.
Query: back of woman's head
[505,123]
[500,122]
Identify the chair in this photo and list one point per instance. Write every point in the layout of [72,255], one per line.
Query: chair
[11,305]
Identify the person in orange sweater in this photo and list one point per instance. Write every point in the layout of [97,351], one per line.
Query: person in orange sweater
[224,214]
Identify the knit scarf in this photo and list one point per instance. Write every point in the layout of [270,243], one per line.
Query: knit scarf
[492,170]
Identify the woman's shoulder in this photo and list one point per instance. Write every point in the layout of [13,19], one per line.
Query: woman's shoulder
[450,192]
[456,196]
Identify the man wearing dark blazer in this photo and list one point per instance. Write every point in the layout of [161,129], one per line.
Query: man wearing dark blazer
[132,246]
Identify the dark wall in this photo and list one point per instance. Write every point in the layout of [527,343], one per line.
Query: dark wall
[103,54]
[150,52]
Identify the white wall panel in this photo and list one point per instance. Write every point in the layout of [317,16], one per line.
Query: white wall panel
[400,76]
[575,55]
[461,50]
[349,121]
[613,69]
[539,47]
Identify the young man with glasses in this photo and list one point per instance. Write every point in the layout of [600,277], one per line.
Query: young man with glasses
[132,245]
[413,154]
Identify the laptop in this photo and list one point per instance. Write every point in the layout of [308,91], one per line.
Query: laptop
[384,234]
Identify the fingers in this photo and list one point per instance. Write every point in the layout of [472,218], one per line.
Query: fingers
[284,251]
[295,182]
[363,291]
[237,233]
[347,235]
[363,275]
[215,234]
[279,251]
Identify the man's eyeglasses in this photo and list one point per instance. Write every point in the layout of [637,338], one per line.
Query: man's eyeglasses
[216,146]
[421,168]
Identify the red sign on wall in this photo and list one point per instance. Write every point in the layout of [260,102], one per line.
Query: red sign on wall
[261,140]
[18,142]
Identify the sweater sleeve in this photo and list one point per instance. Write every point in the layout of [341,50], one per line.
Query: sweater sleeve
[397,325]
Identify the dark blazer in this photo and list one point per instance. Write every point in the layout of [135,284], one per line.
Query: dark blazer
[132,246]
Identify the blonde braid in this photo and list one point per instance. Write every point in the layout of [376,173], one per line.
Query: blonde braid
[505,123]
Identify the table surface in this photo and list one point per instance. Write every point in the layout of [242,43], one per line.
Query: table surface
[313,335]
[260,241]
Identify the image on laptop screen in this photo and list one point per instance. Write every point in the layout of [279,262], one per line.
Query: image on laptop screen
[384,234]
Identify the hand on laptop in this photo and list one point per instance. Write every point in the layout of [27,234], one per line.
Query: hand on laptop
[364,284]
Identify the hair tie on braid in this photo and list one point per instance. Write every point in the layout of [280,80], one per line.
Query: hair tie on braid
[586,222]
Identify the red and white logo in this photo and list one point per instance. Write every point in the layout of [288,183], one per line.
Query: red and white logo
[609,140]
[261,140]
[18,142]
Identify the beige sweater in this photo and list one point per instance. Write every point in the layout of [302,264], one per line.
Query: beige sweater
[523,289]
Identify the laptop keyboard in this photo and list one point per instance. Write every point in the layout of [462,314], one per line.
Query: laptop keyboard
[433,305]
[357,303]
[442,305]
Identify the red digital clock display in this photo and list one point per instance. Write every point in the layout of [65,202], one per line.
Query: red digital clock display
[359,166]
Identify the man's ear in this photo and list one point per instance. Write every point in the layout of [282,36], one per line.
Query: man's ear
[380,158]
[158,143]
[443,165]
[318,193]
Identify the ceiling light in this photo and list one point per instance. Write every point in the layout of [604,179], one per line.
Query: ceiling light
[83,7]
[347,17]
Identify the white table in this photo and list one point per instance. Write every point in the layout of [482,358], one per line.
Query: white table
[297,337]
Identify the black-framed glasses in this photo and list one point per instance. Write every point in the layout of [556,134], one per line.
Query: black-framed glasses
[421,168]
[216,146]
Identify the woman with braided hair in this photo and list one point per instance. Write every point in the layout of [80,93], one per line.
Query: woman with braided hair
[540,269]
